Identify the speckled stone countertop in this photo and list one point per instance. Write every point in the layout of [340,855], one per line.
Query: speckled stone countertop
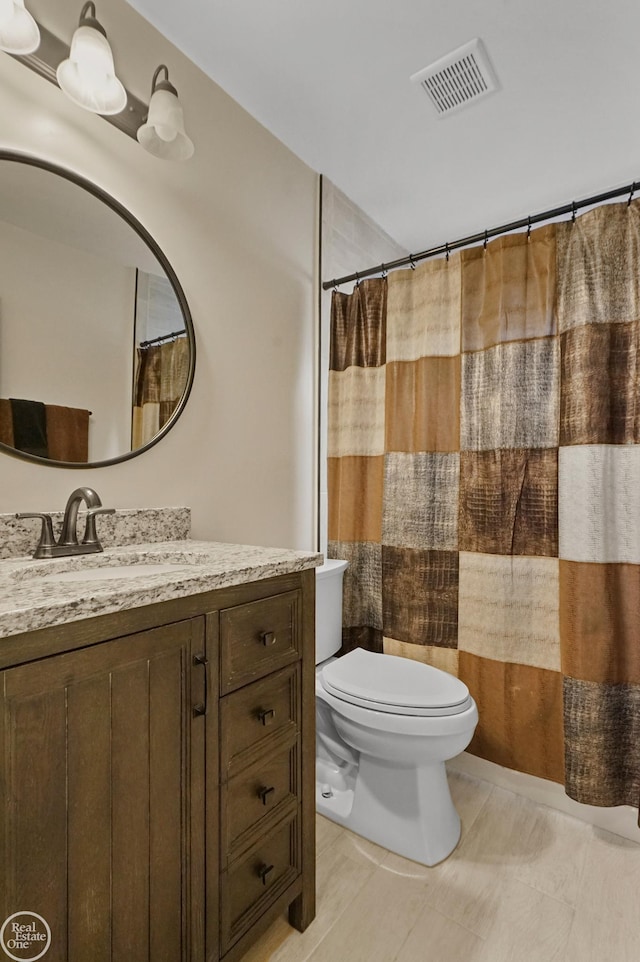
[32,595]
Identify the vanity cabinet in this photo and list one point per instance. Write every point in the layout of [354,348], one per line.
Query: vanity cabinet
[157,775]
[101,766]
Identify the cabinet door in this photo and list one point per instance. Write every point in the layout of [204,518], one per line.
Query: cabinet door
[101,782]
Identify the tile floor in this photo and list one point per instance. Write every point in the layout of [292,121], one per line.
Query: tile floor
[526,884]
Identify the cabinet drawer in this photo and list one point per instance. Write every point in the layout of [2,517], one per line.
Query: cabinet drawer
[257,879]
[257,718]
[258,638]
[259,795]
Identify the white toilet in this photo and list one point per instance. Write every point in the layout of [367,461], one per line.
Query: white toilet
[385,727]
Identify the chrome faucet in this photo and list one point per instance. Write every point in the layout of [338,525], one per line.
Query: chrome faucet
[67,543]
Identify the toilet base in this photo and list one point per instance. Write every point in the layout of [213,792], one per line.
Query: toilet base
[407,810]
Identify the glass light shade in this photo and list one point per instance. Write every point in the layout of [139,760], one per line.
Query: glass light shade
[88,76]
[6,12]
[19,33]
[163,134]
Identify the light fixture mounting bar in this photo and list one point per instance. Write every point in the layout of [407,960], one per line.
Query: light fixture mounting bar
[52,52]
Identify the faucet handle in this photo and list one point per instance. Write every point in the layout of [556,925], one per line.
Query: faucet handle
[90,534]
[46,534]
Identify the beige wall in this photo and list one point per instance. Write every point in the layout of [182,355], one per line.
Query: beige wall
[238,224]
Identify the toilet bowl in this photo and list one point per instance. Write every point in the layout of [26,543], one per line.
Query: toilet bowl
[385,727]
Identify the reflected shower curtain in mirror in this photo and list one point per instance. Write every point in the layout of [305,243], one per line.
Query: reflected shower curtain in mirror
[160,379]
[484,483]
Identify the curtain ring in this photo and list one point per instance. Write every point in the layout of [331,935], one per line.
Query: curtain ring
[383,270]
[529,227]
[357,280]
[486,238]
[335,286]
[412,262]
[573,211]
[633,190]
[446,246]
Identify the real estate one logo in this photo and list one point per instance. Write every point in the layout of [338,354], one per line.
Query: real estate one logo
[25,936]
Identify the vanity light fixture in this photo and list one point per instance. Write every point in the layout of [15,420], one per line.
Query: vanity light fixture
[88,75]
[163,133]
[19,33]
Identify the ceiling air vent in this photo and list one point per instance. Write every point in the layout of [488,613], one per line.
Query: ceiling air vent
[459,79]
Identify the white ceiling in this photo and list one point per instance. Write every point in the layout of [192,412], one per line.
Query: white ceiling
[330,78]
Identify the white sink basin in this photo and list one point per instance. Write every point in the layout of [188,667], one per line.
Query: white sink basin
[112,572]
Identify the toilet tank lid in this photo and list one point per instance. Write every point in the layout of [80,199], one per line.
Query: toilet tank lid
[390,680]
[330,566]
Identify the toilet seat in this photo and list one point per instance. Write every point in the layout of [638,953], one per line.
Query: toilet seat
[399,686]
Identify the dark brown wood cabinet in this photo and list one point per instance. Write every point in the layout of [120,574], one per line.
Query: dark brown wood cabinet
[156,774]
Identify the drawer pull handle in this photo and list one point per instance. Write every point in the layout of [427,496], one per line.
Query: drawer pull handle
[268,638]
[264,872]
[267,716]
[263,794]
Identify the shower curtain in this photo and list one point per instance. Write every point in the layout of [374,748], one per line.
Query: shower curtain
[160,379]
[484,483]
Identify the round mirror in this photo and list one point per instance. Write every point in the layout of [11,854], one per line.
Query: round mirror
[97,348]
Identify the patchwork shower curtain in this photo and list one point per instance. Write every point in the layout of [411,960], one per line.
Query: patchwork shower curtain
[484,483]
[160,380]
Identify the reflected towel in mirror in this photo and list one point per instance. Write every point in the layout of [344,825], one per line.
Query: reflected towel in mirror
[49,431]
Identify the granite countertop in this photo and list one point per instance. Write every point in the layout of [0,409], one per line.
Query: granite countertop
[32,596]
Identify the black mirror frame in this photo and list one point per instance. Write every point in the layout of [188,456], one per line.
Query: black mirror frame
[143,233]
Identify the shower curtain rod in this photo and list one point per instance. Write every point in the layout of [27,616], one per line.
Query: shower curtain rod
[163,337]
[527,222]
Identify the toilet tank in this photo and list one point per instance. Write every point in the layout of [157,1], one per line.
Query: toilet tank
[329,608]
